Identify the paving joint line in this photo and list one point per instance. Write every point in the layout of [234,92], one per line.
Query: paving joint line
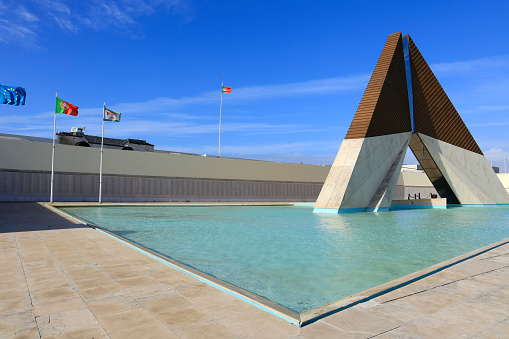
[445,284]
[26,283]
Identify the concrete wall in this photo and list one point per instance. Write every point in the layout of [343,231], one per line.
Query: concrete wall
[25,168]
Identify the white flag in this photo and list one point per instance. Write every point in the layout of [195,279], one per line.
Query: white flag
[109,115]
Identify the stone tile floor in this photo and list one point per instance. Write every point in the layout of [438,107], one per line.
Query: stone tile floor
[60,279]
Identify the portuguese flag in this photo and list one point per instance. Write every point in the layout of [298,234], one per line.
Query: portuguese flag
[65,107]
[227,89]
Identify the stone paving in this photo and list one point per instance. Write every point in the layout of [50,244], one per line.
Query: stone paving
[60,279]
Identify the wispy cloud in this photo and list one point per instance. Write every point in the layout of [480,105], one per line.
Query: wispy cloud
[492,108]
[23,23]
[283,152]
[20,32]
[470,65]
[25,15]
[248,93]
[489,124]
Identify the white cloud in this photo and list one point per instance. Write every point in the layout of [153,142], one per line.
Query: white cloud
[17,32]
[320,86]
[470,65]
[113,11]
[282,152]
[25,21]
[492,108]
[25,15]
[496,157]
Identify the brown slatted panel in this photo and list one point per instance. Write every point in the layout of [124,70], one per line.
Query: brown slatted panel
[384,107]
[434,113]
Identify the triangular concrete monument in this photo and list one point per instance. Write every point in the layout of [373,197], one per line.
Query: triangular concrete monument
[366,169]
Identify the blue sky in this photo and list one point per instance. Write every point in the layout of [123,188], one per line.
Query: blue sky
[298,69]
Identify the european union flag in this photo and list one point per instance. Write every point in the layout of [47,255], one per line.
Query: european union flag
[12,95]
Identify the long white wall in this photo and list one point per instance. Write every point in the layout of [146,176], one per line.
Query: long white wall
[25,168]
[36,156]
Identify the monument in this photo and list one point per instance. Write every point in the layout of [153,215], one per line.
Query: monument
[390,118]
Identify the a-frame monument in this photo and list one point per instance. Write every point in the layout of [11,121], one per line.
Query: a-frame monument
[368,164]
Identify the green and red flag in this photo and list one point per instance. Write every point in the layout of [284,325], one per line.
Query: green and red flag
[227,89]
[62,106]
[109,115]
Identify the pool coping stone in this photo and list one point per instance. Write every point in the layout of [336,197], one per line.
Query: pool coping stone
[293,317]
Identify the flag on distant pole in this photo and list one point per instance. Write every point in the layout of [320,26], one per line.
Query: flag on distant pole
[12,95]
[224,89]
[62,106]
[109,115]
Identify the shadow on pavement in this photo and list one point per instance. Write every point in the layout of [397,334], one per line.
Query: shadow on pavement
[32,216]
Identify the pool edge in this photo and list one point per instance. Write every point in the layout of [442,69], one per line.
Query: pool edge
[249,297]
[313,315]
[293,317]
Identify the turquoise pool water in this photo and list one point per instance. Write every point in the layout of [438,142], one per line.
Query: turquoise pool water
[299,259]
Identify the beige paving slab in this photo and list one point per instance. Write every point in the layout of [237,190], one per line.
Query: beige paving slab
[27,333]
[84,272]
[208,330]
[467,288]
[180,317]
[215,301]
[164,302]
[6,295]
[132,318]
[94,332]
[15,322]
[10,263]
[238,313]
[35,278]
[58,305]
[148,290]
[321,329]
[77,260]
[398,314]
[177,279]
[53,293]
[49,284]
[480,316]
[16,305]
[101,292]
[152,331]
[40,264]
[499,331]
[135,282]
[355,320]
[122,272]
[68,321]
[446,326]
[428,302]
[9,286]
[12,276]
[96,280]
[264,325]
[113,304]
[196,289]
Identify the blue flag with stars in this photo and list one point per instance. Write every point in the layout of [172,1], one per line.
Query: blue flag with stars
[12,95]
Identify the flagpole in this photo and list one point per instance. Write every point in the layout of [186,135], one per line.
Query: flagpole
[220,109]
[53,154]
[101,169]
